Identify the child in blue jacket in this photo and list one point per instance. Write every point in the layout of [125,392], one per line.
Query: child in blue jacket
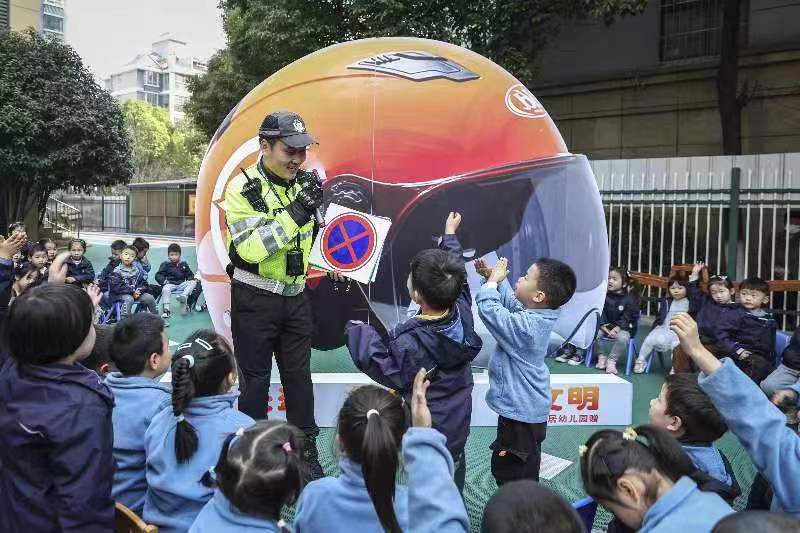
[258,472]
[79,269]
[55,418]
[648,482]
[758,424]
[140,352]
[519,381]
[364,498]
[128,283]
[441,337]
[183,442]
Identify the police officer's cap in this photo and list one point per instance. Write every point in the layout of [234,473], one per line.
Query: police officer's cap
[288,127]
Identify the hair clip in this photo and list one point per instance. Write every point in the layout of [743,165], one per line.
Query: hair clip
[629,434]
[203,343]
[287,447]
[582,449]
[720,276]
[190,359]
[373,412]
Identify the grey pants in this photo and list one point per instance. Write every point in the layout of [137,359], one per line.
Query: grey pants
[782,377]
[146,300]
[613,348]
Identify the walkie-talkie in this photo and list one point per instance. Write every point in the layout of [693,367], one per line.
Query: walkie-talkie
[252,192]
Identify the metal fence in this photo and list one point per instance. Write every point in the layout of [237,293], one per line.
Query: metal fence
[741,215]
[100,213]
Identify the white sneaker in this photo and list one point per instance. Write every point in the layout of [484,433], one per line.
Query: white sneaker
[611,367]
[563,357]
[576,360]
[601,362]
[640,366]
[165,314]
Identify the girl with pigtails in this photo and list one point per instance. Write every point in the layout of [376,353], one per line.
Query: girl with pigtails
[648,482]
[365,498]
[183,442]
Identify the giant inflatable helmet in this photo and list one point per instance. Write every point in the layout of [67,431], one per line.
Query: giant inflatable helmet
[411,129]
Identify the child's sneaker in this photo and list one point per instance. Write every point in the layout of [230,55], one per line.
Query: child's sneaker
[601,362]
[563,356]
[165,314]
[611,367]
[201,307]
[640,366]
[576,359]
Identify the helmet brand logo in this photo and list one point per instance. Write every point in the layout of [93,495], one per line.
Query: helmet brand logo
[521,102]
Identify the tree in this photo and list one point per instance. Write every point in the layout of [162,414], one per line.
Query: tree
[266,35]
[731,97]
[160,150]
[58,128]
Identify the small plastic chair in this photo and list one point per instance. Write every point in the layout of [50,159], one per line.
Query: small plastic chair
[782,339]
[631,353]
[126,521]
[587,510]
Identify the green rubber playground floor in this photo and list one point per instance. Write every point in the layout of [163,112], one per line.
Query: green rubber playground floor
[561,442]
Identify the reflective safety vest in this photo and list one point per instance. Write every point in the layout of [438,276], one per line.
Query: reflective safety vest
[258,242]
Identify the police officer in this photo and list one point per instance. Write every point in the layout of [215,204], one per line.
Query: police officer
[270,210]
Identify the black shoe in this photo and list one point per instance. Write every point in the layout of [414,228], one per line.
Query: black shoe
[310,456]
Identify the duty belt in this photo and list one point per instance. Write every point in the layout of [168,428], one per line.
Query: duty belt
[266,284]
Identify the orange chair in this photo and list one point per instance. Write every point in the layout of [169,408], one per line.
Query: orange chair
[126,521]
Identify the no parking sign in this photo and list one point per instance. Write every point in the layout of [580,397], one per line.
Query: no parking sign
[351,242]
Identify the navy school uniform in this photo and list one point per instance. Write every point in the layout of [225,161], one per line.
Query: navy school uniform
[174,273]
[82,271]
[622,310]
[709,314]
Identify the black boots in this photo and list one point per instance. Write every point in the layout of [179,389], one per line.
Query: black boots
[310,456]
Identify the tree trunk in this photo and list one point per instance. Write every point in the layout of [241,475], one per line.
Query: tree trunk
[730,103]
[16,204]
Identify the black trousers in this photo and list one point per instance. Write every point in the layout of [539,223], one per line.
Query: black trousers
[263,324]
[517,451]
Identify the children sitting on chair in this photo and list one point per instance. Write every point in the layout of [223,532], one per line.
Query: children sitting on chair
[50,248]
[661,338]
[113,262]
[128,284]
[37,256]
[519,381]
[709,311]
[747,334]
[79,269]
[175,276]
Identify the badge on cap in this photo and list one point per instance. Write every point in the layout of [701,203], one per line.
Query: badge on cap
[298,126]
[621,307]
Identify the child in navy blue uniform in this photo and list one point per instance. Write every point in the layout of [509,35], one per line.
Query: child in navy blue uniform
[747,334]
[619,321]
[258,472]
[175,276]
[787,375]
[37,256]
[709,311]
[79,269]
[519,380]
[183,442]
[648,482]
[441,337]
[55,418]
[364,498]
[661,338]
[140,352]
[686,412]
[128,284]
[113,261]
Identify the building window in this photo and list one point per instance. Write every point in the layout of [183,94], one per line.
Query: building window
[151,78]
[690,28]
[151,98]
[4,24]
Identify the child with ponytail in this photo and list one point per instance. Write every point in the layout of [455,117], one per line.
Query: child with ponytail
[259,471]
[183,442]
[365,498]
[645,478]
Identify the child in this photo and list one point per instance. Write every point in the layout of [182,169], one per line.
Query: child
[788,372]
[364,498]
[747,334]
[127,283]
[647,481]
[760,521]
[55,418]
[619,321]
[526,507]
[519,381]
[79,269]
[140,351]
[50,248]
[686,412]
[709,312]
[441,336]
[37,256]
[113,261]
[25,278]
[258,472]
[175,275]
[758,424]
[184,441]
[142,247]
[661,338]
